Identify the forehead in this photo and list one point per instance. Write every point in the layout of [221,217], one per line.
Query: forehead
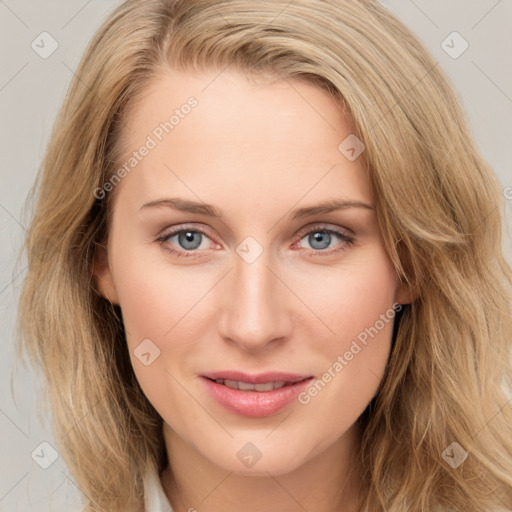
[228,127]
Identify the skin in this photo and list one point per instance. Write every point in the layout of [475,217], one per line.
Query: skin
[256,151]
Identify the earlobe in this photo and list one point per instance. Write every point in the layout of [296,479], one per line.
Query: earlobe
[102,276]
[405,294]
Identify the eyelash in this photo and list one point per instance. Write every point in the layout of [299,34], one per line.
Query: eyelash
[347,239]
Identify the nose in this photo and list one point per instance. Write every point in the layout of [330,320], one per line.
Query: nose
[255,305]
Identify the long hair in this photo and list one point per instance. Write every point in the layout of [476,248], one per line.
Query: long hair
[440,210]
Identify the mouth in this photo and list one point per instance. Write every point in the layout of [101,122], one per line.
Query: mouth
[246,386]
[257,395]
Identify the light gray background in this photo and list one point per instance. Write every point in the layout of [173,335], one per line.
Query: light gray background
[31,91]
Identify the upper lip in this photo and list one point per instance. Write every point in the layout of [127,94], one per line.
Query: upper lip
[259,378]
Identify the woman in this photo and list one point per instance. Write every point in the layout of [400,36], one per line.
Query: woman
[265,268]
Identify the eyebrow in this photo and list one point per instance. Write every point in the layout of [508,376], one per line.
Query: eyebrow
[186,205]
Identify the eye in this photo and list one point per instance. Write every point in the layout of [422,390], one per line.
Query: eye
[188,239]
[321,237]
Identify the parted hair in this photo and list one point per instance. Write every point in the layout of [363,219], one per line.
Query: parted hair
[440,209]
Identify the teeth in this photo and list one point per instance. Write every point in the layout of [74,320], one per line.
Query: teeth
[245,386]
[267,386]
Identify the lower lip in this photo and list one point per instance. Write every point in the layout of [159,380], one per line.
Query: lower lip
[255,404]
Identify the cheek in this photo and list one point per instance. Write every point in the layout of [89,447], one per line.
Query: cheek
[351,298]
[155,295]
[161,304]
[357,306]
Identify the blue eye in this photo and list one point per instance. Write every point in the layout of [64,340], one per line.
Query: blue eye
[320,238]
[189,240]
[323,238]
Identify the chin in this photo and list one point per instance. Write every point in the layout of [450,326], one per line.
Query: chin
[259,458]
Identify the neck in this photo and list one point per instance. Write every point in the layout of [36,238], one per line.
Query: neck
[328,482]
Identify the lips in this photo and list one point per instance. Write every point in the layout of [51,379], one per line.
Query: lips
[254,395]
[260,378]
[245,386]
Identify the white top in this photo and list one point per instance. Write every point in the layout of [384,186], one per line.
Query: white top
[155,499]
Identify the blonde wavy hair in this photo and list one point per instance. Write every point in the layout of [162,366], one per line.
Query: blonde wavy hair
[440,210]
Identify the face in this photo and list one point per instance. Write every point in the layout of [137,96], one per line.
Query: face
[230,263]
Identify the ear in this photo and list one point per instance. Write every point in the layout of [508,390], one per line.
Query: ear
[405,293]
[102,275]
